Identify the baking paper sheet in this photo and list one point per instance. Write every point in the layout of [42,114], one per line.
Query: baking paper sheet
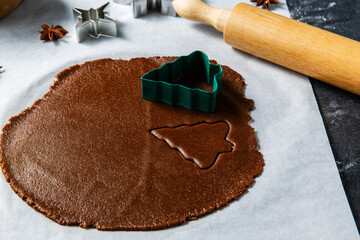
[299,195]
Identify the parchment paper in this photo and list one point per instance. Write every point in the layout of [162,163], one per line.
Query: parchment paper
[299,194]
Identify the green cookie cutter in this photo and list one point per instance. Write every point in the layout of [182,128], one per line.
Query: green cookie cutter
[158,84]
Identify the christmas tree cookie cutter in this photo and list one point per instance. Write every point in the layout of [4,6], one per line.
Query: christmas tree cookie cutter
[159,85]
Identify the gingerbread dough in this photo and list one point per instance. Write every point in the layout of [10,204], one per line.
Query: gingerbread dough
[201,143]
[85,153]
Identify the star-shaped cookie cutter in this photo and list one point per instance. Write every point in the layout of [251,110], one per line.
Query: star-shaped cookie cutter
[94,23]
[142,7]
[159,85]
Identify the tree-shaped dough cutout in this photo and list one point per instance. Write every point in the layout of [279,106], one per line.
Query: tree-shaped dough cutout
[201,143]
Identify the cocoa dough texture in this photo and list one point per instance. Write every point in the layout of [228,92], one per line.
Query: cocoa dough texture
[93,153]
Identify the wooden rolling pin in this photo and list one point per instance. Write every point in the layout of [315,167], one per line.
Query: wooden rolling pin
[303,48]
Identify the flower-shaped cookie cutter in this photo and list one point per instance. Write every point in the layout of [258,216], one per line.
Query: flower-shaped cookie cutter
[159,85]
[142,7]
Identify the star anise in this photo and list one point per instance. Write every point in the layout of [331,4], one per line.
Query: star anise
[52,33]
[266,3]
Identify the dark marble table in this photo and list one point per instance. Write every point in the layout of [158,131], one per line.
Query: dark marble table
[340,110]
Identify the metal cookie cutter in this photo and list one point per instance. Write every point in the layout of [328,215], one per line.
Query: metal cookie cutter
[142,7]
[94,23]
[158,84]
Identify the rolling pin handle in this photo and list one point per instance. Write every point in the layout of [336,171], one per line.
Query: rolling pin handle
[197,10]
